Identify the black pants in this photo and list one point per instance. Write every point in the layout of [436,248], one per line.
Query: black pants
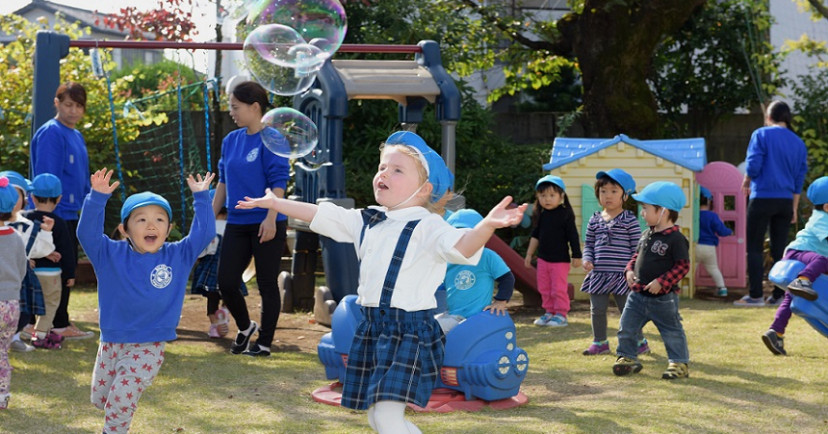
[762,215]
[240,242]
[62,313]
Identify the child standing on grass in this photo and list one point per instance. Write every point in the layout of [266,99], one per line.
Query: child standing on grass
[403,247]
[612,235]
[553,236]
[12,270]
[658,265]
[710,229]
[811,248]
[141,285]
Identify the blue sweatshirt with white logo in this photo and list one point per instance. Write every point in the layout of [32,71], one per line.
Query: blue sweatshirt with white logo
[776,163]
[140,296]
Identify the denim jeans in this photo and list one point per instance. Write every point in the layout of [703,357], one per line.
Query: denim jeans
[663,312]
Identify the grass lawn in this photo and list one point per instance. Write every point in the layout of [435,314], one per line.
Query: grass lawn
[735,384]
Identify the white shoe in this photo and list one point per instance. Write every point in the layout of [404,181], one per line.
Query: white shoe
[20,346]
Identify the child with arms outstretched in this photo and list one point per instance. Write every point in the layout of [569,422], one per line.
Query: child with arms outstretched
[141,284]
[403,248]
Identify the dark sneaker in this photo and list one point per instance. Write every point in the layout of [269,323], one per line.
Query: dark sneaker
[243,338]
[803,288]
[597,348]
[774,342]
[675,371]
[773,301]
[256,350]
[748,301]
[45,343]
[625,365]
[643,347]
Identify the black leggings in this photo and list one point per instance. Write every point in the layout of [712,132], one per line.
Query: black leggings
[62,313]
[764,214]
[240,242]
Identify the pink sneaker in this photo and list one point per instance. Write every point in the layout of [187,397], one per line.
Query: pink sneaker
[213,332]
[597,348]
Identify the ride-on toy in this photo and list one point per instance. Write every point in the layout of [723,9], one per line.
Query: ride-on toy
[482,359]
[814,312]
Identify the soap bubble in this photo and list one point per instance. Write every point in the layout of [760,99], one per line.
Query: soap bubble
[289,133]
[283,46]
[321,21]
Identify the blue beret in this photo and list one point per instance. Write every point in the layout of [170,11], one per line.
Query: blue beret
[439,175]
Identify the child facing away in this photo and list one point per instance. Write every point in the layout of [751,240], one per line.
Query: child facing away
[46,194]
[612,235]
[654,272]
[403,248]
[141,285]
[205,279]
[811,248]
[469,287]
[553,236]
[710,229]
[12,271]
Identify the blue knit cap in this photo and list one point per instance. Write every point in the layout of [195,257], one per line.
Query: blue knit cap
[145,198]
[664,194]
[439,175]
[465,218]
[8,195]
[818,191]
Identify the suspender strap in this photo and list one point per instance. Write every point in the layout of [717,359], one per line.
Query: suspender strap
[396,263]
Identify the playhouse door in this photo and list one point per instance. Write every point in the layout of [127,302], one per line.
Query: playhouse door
[724,180]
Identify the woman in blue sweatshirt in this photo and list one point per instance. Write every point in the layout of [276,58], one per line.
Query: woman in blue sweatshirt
[141,284]
[776,165]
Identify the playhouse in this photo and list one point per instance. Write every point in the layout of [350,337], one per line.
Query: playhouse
[577,160]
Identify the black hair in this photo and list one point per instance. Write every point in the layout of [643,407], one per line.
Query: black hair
[39,199]
[75,91]
[703,200]
[537,208]
[629,204]
[672,215]
[819,207]
[5,216]
[779,111]
[250,92]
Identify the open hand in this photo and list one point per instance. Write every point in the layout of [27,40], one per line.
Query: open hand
[200,183]
[502,216]
[267,201]
[100,181]
[498,307]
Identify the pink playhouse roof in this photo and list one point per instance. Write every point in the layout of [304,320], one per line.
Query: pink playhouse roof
[688,153]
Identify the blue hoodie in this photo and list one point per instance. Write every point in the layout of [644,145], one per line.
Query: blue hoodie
[140,296]
[776,163]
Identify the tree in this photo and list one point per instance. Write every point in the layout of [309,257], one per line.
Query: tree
[171,21]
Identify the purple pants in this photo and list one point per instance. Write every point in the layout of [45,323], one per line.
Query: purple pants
[815,265]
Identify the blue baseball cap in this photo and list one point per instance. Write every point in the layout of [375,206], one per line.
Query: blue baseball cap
[46,185]
[465,218]
[664,194]
[818,191]
[18,180]
[551,179]
[145,198]
[439,175]
[705,192]
[624,179]
[8,195]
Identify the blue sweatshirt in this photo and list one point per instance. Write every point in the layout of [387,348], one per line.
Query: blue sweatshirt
[776,163]
[140,296]
[247,168]
[61,151]
[711,228]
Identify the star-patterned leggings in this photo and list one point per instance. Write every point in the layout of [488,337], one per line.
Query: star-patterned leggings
[122,373]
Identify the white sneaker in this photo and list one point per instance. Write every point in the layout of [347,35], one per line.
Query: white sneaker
[544,319]
[20,346]
[557,321]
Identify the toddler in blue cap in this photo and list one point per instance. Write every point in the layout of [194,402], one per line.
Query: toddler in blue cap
[654,272]
[403,248]
[141,284]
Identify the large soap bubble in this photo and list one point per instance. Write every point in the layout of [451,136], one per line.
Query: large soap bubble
[320,22]
[281,80]
[283,46]
[289,133]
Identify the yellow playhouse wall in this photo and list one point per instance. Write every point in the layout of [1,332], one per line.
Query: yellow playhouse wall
[645,169]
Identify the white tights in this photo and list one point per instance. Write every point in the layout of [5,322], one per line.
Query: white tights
[389,417]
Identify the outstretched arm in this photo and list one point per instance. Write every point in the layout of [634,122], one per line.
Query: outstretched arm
[200,183]
[291,208]
[100,181]
[498,217]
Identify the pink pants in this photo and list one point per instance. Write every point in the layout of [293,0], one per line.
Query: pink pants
[552,285]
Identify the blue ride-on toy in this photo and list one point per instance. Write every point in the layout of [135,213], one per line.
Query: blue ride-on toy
[814,312]
[482,359]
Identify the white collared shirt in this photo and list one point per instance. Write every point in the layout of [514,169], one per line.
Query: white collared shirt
[424,265]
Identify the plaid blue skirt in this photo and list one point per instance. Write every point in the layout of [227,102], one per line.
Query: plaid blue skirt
[31,295]
[205,276]
[395,356]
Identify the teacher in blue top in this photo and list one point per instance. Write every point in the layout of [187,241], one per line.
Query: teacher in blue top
[58,148]
[776,165]
[247,168]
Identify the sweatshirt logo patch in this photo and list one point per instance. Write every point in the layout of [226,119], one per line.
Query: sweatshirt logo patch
[161,276]
[464,280]
[251,156]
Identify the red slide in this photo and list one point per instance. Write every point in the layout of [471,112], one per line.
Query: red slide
[526,279]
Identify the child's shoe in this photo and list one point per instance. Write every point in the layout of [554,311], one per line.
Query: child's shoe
[643,347]
[774,342]
[213,332]
[625,365]
[256,350]
[749,301]
[223,321]
[675,371]
[243,338]
[20,346]
[722,292]
[4,401]
[597,348]
[557,321]
[45,343]
[773,301]
[27,332]
[802,288]
[54,337]
[544,319]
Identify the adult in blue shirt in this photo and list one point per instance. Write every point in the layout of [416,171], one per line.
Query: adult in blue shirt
[248,168]
[58,148]
[775,172]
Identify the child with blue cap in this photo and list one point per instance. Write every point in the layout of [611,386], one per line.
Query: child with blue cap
[661,260]
[553,235]
[13,264]
[811,248]
[141,284]
[711,228]
[403,248]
